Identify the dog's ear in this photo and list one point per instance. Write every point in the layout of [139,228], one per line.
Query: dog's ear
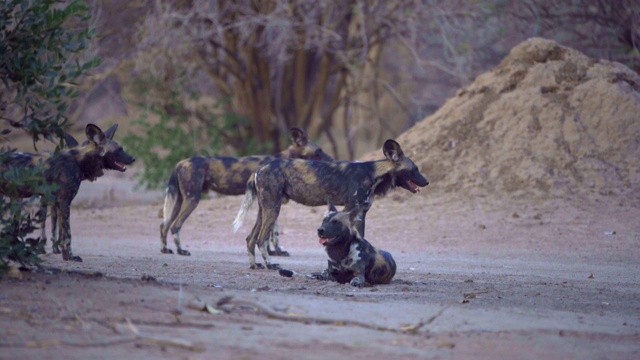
[94,134]
[332,208]
[392,150]
[69,140]
[298,136]
[111,131]
[355,215]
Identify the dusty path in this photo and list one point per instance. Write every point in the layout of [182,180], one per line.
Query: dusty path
[525,279]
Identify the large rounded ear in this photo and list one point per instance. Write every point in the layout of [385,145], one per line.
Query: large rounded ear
[392,150]
[111,131]
[298,136]
[332,208]
[69,140]
[355,214]
[94,133]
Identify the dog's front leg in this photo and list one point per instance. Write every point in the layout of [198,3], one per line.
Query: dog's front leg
[358,274]
[64,210]
[324,275]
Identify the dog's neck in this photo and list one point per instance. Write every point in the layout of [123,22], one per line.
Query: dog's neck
[384,179]
[340,250]
[90,161]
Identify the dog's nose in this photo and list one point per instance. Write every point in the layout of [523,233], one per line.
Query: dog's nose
[320,232]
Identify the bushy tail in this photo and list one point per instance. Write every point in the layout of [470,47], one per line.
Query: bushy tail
[249,198]
[171,194]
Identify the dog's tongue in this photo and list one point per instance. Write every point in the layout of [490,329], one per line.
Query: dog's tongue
[323,241]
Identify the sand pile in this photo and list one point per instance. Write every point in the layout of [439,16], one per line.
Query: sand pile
[547,121]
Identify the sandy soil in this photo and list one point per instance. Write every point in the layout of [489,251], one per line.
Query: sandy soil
[477,278]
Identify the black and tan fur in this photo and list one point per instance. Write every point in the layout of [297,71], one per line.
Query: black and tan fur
[315,183]
[68,169]
[352,259]
[225,175]
[31,160]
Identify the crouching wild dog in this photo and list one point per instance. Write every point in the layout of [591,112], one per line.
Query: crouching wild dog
[225,175]
[352,259]
[68,169]
[315,183]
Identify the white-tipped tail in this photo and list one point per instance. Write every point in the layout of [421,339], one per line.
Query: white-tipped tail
[169,204]
[244,209]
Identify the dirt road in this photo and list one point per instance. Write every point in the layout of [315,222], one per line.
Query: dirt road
[477,278]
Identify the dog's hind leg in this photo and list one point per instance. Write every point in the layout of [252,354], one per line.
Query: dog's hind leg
[269,218]
[172,204]
[55,243]
[42,216]
[188,205]
[275,241]
[251,242]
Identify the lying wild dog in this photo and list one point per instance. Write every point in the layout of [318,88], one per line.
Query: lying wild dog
[225,175]
[31,160]
[314,183]
[352,259]
[69,168]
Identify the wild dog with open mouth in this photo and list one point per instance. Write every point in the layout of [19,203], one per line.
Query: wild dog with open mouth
[31,160]
[352,259]
[68,169]
[314,183]
[225,175]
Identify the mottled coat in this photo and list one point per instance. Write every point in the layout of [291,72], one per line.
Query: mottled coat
[315,183]
[224,175]
[69,168]
[352,259]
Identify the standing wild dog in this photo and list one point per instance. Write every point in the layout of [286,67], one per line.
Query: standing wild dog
[225,175]
[314,183]
[69,168]
[31,160]
[352,259]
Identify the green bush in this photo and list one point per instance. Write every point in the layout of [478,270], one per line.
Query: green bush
[180,133]
[42,56]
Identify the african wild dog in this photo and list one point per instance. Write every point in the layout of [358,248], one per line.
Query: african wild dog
[69,168]
[31,160]
[352,259]
[225,175]
[315,183]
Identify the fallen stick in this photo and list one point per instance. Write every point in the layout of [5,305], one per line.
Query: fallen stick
[326,321]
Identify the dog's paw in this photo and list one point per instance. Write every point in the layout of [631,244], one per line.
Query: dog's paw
[273,266]
[316,275]
[184,252]
[165,250]
[278,252]
[256,266]
[357,281]
[285,273]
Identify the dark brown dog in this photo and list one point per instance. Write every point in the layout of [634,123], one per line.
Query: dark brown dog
[352,259]
[315,183]
[31,160]
[225,175]
[68,169]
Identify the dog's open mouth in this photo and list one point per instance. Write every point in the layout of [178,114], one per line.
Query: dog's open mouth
[120,166]
[324,240]
[413,186]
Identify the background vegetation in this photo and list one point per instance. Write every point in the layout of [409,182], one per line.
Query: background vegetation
[42,46]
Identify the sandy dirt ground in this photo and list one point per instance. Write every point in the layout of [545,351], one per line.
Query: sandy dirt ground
[478,277]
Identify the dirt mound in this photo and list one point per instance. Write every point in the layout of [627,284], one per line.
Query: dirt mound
[548,120]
